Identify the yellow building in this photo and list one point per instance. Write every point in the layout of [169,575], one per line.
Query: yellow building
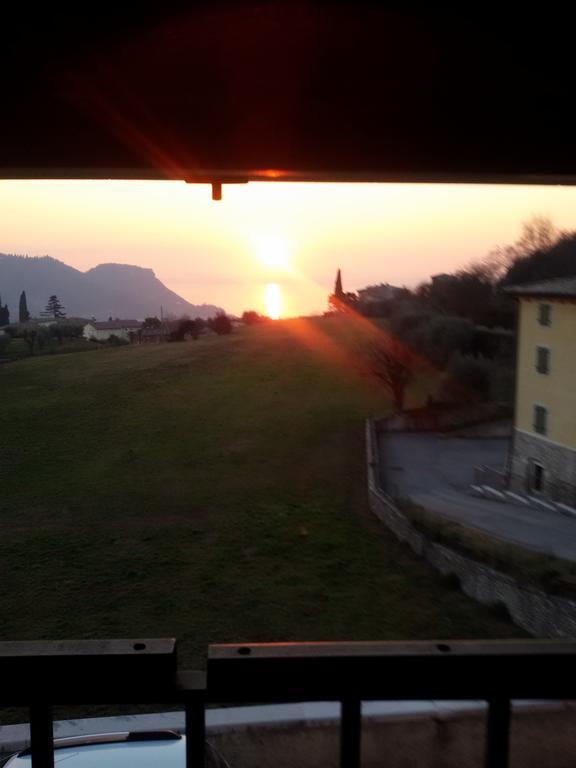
[543,456]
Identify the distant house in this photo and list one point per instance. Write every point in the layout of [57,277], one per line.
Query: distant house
[442,279]
[374,293]
[102,331]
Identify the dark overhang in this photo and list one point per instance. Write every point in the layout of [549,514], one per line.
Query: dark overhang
[287,91]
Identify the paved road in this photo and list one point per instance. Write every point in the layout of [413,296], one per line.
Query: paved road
[436,472]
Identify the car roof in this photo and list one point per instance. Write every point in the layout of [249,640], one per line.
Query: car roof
[169,753]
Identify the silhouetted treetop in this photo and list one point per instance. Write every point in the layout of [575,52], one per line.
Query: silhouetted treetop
[556,260]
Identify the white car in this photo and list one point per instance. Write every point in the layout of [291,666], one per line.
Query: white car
[129,749]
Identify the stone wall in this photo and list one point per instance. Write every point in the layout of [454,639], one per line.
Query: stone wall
[559,462]
[535,611]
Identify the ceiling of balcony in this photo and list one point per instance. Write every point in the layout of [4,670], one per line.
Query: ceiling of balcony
[286,90]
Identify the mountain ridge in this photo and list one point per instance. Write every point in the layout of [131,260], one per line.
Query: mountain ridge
[110,289]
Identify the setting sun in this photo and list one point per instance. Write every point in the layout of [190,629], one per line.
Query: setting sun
[273,300]
[273,252]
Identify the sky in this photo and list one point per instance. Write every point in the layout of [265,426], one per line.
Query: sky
[272,247]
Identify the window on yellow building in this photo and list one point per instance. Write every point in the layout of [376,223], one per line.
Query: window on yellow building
[544,314]
[542,359]
[540,419]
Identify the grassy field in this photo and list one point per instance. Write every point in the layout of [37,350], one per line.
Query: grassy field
[211,490]
[17,349]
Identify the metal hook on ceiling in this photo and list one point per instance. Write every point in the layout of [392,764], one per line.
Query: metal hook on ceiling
[216,190]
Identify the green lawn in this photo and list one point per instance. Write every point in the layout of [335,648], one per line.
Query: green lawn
[211,490]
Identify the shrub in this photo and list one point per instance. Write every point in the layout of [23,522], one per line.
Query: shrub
[186,328]
[439,337]
[152,322]
[116,341]
[66,330]
[467,380]
[502,384]
[250,317]
[42,338]
[221,324]
[407,318]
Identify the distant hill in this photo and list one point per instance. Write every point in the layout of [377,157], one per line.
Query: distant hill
[117,290]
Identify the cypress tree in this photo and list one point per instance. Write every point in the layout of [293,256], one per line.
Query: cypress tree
[4,314]
[338,292]
[23,314]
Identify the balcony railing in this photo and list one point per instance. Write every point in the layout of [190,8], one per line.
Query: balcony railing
[40,675]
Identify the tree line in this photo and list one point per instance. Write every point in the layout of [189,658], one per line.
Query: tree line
[474,292]
[54,309]
[461,324]
[185,327]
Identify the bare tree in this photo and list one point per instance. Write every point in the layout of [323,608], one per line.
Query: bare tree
[538,234]
[394,364]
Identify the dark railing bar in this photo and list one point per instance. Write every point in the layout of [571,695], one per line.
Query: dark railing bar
[41,736]
[461,670]
[195,733]
[75,667]
[498,733]
[350,732]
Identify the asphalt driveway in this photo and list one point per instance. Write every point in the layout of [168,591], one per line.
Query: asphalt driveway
[436,472]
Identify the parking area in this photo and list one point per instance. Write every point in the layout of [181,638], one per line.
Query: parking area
[436,472]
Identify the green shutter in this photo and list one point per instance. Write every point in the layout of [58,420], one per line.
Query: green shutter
[544,314]
[540,419]
[542,359]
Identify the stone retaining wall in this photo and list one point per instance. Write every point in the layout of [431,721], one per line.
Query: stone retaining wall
[559,464]
[535,611]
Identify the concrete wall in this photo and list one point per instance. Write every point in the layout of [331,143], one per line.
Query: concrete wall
[535,611]
[544,738]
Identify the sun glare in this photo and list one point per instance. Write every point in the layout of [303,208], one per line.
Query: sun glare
[273,300]
[273,253]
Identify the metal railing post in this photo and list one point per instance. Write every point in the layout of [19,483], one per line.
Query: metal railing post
[41,736]
[498,733]
[350,732]
[195,733]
